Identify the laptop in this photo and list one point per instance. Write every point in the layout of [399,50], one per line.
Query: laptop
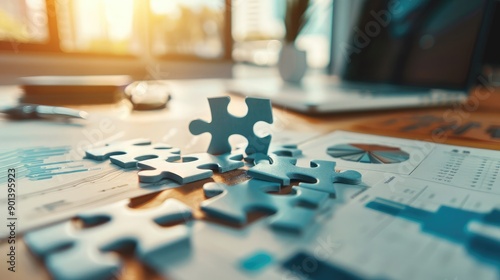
[389,54]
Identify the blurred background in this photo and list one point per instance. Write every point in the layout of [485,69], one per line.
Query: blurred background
[172,38]
[161,39]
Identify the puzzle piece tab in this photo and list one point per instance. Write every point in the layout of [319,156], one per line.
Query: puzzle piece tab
[193,167]
[224,124]
[126,154]
[232,203]
[69,253]
[321,176]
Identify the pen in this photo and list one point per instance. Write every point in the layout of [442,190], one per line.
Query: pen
[33,111]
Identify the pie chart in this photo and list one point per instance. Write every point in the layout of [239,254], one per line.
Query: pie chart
[368,153]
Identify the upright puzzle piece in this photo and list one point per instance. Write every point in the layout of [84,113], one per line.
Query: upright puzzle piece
[193,168]
[320,177]
[126,154]
[234,202]
[82,254]
[224,124]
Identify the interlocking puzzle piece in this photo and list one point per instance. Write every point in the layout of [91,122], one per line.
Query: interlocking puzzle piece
[320,177]
[193,167]
[289,150]
[232,203]
[82,254]
[126,154]
[224,124]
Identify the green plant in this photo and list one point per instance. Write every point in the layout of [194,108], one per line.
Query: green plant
[295,18]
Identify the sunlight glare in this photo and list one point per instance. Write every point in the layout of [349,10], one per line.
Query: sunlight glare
[119,16]
[162,7]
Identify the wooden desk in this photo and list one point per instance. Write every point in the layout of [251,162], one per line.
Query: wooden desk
[189,103]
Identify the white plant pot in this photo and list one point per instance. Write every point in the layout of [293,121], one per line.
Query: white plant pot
[292,63]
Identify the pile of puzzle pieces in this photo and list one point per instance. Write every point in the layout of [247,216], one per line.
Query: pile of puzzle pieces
[71,253]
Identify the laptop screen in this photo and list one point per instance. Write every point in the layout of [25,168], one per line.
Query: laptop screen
[492,55]
[421,43]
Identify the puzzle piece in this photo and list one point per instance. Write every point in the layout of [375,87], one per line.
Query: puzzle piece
[289,150]
[320,177]
[193,167]
[224,124]
[232,203]
[126,154]
[82,254]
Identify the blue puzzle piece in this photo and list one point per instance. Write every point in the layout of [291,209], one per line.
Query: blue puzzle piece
[193,168]
[289,150]
[224,124]
[232,203]
[320,177]
[451,224]
[70,253]
[126,154]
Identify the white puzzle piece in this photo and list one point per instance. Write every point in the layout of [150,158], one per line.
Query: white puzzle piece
[126,154]
[192,168]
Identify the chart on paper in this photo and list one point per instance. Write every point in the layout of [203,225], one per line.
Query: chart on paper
[368,153]
[54,183]
[462,167]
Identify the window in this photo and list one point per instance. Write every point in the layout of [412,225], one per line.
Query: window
[24,21]
[258,29]
[98,26]
[26,25]
[196,29]
[171,29]
[188,27]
